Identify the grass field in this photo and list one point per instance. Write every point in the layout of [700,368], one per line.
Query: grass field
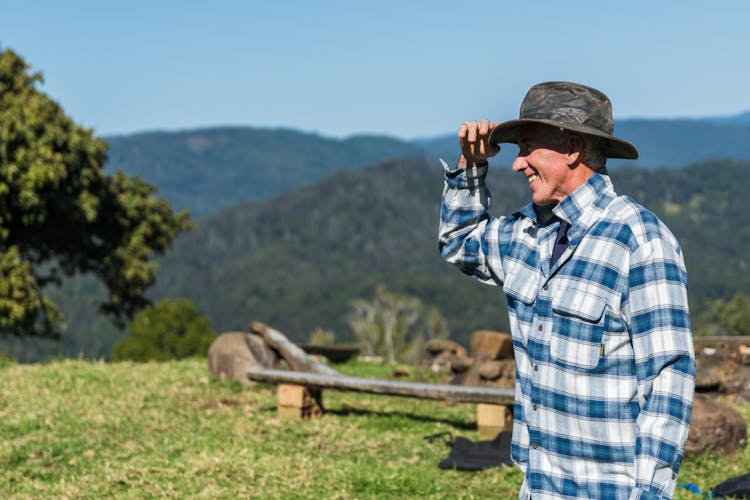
[82,429]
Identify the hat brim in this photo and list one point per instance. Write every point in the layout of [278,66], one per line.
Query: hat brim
[508,132]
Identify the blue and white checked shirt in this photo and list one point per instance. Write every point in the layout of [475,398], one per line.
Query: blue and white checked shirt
[605,367]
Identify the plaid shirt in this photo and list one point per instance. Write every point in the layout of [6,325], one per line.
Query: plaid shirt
[604,357]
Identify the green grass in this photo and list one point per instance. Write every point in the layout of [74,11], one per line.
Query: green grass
[90,430]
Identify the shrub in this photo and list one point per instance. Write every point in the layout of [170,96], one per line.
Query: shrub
[170,329]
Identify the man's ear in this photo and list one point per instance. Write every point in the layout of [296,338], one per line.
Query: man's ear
[575,149]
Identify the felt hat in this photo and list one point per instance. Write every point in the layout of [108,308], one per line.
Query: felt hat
[570,106]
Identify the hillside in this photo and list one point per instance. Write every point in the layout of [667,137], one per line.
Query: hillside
[203,170]
[297,260]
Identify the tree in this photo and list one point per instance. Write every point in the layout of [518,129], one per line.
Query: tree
[170,329]
[394,325]
[61,214]
[728,318]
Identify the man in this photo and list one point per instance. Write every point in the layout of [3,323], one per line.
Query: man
[596,292]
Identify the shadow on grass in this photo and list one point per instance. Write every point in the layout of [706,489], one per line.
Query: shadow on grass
[349,411]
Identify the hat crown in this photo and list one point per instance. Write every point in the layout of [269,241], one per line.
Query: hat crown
[568,103]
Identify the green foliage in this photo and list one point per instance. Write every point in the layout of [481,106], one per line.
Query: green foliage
[298,260]
[60,214]
[394,325]
[170,329]
[208,169]
[5,361]
[727,317]
[321,336]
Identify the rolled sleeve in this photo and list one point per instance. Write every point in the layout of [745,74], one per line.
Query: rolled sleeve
[465,224]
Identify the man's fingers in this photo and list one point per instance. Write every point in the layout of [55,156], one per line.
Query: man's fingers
[473,137]
[472,132]
[462,130]
[484,127]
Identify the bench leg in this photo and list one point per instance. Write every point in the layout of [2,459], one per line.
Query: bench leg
[299,402]
[493,419]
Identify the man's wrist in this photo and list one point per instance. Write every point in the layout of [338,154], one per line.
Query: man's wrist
[464,163]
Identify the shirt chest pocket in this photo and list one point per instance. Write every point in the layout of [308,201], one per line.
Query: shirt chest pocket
[578,329]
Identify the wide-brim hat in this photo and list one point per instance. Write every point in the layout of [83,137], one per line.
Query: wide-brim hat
[570,106]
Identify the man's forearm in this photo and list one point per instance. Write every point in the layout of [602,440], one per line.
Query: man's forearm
[464,220]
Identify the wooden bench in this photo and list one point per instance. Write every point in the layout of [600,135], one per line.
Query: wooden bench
[299,395]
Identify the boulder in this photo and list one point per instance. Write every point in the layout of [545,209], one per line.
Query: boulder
[440,354]
[499,373]
[721,370]
[437,346]
[491,369]
[486,372]
[460,364]
[233,354]
[496,345]
[714,427]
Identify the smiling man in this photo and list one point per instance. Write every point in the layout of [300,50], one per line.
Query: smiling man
[597,298]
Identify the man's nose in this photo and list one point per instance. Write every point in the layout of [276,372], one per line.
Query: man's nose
[519,164]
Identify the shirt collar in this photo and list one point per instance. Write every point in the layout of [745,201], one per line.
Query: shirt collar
[580,209]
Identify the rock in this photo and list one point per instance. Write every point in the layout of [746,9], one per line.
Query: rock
[715,428]
[440,353]
[721,370]
[436,346]
[498,373]
[492,369]
[440,363]
[496,345]
[233,354]
[460,364]
[469,377]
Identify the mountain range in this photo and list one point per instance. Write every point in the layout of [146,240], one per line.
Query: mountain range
[297,260]
[204,170]
[292,226]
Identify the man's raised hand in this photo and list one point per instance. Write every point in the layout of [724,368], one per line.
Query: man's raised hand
[474,140]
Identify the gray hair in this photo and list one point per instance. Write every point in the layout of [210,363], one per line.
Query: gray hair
[593,155]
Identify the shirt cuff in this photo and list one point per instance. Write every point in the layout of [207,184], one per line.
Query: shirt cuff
[469,177]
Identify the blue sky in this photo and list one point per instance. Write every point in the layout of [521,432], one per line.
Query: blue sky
[408,69]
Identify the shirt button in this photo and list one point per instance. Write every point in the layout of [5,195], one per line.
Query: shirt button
[540,328]
[545,288]
[674,475]
[535,446]
[534,407]
[536,368]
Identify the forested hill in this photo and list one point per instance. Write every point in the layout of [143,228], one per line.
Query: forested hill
[204,170]
[297,260]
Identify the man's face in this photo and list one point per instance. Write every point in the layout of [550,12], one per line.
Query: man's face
[543,157]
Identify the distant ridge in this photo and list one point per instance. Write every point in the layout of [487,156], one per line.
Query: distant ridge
[669,143]
[205,170]
[739,119]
